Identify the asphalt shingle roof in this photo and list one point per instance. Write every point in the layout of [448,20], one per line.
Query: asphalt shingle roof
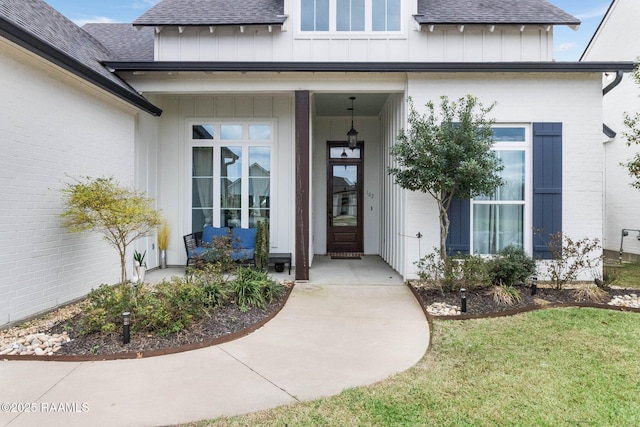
[213,12]
[38,27]
[492,12]
[50,26]
[124,41]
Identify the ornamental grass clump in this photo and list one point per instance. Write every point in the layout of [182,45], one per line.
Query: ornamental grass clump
[504,295]
[253,288]
[591,292]
[163,236]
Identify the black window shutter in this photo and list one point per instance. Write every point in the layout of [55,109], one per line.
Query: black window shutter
[547,186]
[459,237]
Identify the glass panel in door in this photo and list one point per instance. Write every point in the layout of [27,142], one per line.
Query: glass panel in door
[345,196]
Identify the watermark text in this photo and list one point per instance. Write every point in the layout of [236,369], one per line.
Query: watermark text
[44,407]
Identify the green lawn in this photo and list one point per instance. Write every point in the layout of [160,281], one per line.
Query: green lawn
[556,367]
[627,275]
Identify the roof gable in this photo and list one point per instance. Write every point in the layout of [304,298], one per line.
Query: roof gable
[492,12]
[50,26]
[617,34]
[125,41]
[38,27]
[213,12]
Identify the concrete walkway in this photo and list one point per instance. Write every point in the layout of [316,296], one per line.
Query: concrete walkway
[326,339]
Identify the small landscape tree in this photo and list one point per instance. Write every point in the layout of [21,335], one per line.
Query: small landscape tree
[632,134]
[448,155]
[121,214]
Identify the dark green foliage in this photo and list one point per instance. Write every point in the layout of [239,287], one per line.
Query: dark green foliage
[448,154]
[511,266]
[168,307]
[139,258]
[173,305]
[215,294]
[212,278]
[105,306]
[262,246]
[253,288]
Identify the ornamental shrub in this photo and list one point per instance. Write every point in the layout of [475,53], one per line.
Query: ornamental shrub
[262,246]
[121,214]
[511,266]
[168,307]
[173,305]
[453,273]
[570,258]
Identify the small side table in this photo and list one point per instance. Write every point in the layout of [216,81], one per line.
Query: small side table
[279,260]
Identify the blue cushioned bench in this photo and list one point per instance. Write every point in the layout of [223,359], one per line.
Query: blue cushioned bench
[243,242]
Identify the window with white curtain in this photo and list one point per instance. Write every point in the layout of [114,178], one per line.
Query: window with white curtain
[230,174]
[501,219]
[350,15]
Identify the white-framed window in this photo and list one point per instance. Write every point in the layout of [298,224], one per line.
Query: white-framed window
[350,15]
[502,219]
[230,171]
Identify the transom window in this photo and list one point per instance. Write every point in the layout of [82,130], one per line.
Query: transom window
[350,15]
[230,174]
[500,220]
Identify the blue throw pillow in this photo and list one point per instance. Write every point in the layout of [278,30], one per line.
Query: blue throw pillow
[209,232]
[244,238]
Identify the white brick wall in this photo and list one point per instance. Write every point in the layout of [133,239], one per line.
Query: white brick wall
[52,125]
[575,100]
[617,40]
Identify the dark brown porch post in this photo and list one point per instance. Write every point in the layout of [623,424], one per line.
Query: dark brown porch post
[302,184]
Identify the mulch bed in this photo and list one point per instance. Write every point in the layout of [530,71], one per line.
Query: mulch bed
[481,304]
[225,324]
[229,322]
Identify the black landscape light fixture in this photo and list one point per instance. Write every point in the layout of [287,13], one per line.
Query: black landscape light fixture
[353,133]
[126,317]
[534,285]
[463,300]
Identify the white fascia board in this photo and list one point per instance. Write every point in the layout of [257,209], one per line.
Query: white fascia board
[265,82]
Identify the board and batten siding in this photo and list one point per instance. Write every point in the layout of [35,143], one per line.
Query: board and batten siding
[173,159]
[55,128]
[443,44]
[393,240]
